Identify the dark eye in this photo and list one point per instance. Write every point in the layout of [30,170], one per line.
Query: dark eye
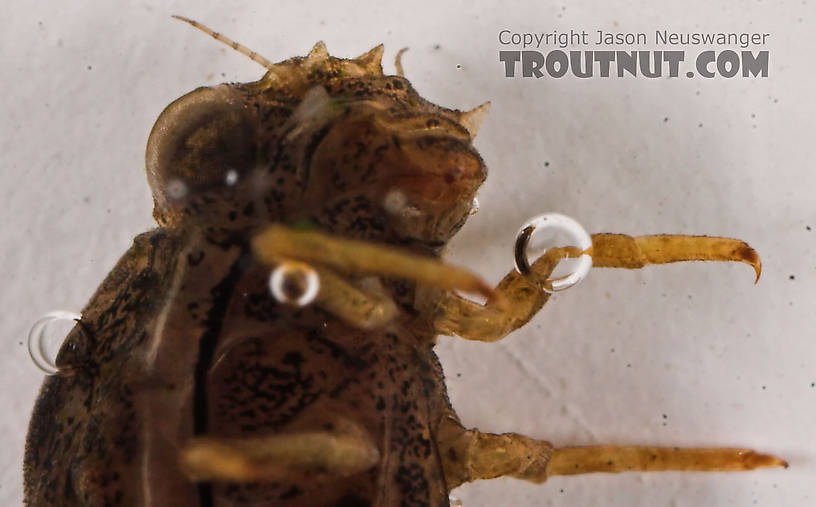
[200,141]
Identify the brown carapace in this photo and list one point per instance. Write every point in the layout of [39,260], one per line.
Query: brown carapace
[186,383]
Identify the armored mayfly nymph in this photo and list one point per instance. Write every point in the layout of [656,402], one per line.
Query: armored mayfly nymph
[271,341]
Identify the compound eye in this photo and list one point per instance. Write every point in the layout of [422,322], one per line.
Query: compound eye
[200,141]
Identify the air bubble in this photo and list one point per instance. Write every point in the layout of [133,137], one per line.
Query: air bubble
[294,283]
[455,502]
[549,230]
[38,342]
[231,178]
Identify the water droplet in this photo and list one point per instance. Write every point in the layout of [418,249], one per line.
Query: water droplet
[294,283]
[43,345]
[231,178]
[176,189]
[455,502]
[549,230]
[474,206]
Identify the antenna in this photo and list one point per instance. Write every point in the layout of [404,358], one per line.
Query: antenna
[255,57]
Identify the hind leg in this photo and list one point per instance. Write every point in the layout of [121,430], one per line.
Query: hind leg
[470,455]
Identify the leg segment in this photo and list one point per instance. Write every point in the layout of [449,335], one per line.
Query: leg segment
[613,459]
[517,298]
[515,301]
[280,457]
[511,305]
[351,256]
[469,455]
[622,251]
[364,309]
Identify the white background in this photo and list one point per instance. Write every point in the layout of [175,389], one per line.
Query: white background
[727,362]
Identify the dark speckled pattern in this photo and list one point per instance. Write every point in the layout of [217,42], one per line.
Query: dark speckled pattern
[183,338]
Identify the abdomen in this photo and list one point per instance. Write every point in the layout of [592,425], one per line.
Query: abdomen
[315,375]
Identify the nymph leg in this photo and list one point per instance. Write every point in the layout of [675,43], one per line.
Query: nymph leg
[279,457]
[363,308]
[518,297]
[622,251]
[509,306]
[349,256]
[469,455]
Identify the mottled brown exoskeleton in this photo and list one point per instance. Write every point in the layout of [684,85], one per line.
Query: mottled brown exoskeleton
[186,383]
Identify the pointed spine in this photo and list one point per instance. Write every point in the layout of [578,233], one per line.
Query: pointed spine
[318,54]
[371,61]
[472,120]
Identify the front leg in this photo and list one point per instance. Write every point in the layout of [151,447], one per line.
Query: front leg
[348,256]
[514,302]
[509,306]
[518,297]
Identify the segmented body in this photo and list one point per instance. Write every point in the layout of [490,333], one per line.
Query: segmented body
[217,355]
[184,339]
